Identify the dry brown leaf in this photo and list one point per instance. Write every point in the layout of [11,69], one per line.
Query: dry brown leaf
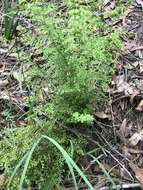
[141,66]
[131,46]
[140,2]
[106,2]
[101,181]
[125,174]
[125,130]
[26,67]
[119,67]
[135,151]
[138,172]
[2,181]
[129,129]
[136,137]
[126,88]
[21,123]
[102,115]
[137,48]
[16,75]
[3,50]
[4,95]
[128,46]
[140,106]
[129,10]
[125,151]
[134,94]
[123,86]
[122,129]
[3,83]
[109,5]
[135,64]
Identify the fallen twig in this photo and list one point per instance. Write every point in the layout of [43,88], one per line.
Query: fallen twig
[132,186]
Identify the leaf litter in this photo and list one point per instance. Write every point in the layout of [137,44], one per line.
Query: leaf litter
[127,93]
[125,140]
[11,96]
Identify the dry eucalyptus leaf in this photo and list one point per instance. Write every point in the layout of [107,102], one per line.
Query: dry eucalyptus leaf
[21,123]
[102,115]
[140,2]
[134,94]
[137,47]
[4,95]
[15,75]
[141,66]
[122,129]
[140,106]
[14,55]
[3,83]
[123,86]
[26,67]
[125,151]
[136,137]
[135,64]
[138,172]
[101,181]
[135,151]
[109,6]
[125,174]
[106,2]
[18,76]
[126,88]
[3,50]
[128,46]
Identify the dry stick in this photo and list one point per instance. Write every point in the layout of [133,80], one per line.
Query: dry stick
[100,124]
[103,124]
[115,157]
[135,186]
[123,97]
[113,120]
[77,133]
[89,165]
[120,164]
[105,150]
[110,146]
[113,168]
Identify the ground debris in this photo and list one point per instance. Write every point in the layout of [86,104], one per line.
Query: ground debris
[138,172]
[11,96]
[126,104]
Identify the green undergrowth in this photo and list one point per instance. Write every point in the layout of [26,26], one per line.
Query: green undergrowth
[71,76]
[80,61]
[46,162]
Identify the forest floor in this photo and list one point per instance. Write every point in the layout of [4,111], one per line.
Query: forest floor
[125,109]
[120,125]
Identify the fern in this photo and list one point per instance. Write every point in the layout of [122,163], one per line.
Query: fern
[80,61]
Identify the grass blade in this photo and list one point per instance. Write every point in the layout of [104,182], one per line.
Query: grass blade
[70,160]
[71,164]
[17,167]
[103,169]
[27,162]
